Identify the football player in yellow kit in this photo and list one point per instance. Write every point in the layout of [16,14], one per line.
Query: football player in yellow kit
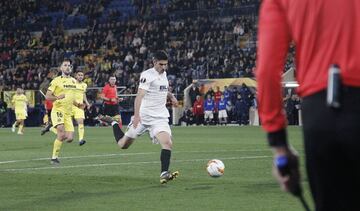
[20,102]
[62,92]
[78,107]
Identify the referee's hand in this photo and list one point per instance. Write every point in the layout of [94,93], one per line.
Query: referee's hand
[286,169]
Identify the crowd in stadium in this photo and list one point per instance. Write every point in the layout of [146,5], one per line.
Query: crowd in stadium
[107,40]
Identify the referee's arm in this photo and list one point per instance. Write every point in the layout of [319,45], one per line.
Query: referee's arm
[273,43]
[273,39]
[102,96]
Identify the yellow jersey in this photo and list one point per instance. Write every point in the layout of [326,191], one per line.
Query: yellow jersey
[67,86]
[80,91]
[19,102]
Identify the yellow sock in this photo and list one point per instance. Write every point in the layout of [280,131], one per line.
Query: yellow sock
[81,131]
[52,129]
[14,125]
[56,149]
[20,128]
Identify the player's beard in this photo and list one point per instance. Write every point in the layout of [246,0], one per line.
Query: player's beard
[66,73]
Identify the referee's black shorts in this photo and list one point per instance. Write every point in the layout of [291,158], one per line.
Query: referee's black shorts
[111,110]
[332,147]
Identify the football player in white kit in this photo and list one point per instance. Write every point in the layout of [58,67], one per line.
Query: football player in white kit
[151,114]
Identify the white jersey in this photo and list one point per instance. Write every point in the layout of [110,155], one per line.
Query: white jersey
[153,105]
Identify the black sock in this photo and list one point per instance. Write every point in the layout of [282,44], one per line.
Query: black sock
[165,159]
[118,134]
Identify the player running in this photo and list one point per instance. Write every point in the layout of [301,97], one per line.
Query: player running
[20,103]
[78,107]
[61,92]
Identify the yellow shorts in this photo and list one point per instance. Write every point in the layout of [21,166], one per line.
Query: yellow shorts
[59,117]
[78,113]
[20,115]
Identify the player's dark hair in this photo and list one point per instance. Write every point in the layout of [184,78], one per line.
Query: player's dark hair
[67,60]
[160,55]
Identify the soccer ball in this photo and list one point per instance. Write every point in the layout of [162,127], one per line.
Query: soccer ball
[215,168]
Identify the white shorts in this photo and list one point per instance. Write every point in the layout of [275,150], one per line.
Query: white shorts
[222,114]
[153,129]
[209,114]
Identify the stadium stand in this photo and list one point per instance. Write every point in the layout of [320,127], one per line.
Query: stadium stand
[204,39]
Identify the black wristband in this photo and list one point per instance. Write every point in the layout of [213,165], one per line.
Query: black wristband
[277,138]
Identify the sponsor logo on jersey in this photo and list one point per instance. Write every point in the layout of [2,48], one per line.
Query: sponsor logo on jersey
[69,86]
[163,88]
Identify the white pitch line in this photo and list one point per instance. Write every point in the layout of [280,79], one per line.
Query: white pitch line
[127,154]
[75,157]
[127,163]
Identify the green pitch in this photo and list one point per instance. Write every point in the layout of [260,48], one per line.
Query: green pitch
[100,176]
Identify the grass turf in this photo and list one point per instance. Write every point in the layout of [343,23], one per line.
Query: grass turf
[100,176]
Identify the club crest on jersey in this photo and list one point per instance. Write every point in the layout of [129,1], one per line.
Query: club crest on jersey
[142,80]
[163,88]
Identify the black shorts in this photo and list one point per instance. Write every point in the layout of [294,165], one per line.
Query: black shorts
[332,147]
[111,110]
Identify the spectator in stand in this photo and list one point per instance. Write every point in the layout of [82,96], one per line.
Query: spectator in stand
[193,92]
[227,93]
[244,91]
[198,110]
[242,111]
[210,92]
[234,95]
[203,48]
[230,109]
[187,117]
[238,30]
[292,109]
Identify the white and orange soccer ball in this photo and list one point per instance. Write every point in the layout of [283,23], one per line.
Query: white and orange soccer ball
[215,168]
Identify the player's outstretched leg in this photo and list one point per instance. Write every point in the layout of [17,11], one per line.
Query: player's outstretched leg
[118,133]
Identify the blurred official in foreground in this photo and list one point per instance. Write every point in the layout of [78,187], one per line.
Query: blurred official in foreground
[326,34]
